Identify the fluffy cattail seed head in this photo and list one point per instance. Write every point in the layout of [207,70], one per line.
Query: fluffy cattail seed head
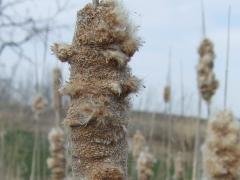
[138,144]
[99,85]
[221,151]
[207,82]
[145,164]
[39,104]
[56,163]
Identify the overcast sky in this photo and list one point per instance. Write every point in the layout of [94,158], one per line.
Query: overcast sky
[165,25]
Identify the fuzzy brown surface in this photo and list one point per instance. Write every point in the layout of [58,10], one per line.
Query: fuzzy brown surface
[207,82]
[99,85]
[221,152]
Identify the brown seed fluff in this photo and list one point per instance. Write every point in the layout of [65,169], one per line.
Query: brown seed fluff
[56,163]
[207,82]
[99,85]
[221,151]
[145,165]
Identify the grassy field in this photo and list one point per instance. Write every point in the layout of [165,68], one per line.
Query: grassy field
[18,130]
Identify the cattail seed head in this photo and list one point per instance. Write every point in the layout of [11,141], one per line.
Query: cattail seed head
[99,85]
[56,163]
[221,151]
[167,94]
[57,77]
[145,164]
[138,144]
[207,82]
[39,104]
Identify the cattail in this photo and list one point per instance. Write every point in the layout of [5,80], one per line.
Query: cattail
[56,163]
[57,77]
[138,144]
[39,104]
[99,85]
[179,167]
[207,82]
[145,164]
[221,151]
[167,94]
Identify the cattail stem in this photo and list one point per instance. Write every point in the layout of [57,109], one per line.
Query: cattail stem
[34,155]
[227,58]
[197,142]
[204,29]
[182,90]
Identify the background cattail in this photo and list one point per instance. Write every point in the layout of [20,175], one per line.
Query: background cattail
[138,144]
[99,84]
[56,162]
[57,100]
[179,167]
[145,164]
[39,104]
[221,151]
[167,94]
[207,82]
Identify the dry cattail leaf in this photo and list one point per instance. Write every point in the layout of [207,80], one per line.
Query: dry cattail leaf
[100,82]
[56,163]
[221,151]
[145,164]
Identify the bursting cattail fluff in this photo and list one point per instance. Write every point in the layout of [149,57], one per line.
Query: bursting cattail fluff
[56,163]
[39,104]
[57,77]
[221,151]
[138,144]
[207,82]
[145,164]
[99,85]
[179,167]
[167,94]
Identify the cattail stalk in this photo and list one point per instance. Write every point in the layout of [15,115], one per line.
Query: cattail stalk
[167,99]
[227,59]
[38,107]
[221,151]
[99,85]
